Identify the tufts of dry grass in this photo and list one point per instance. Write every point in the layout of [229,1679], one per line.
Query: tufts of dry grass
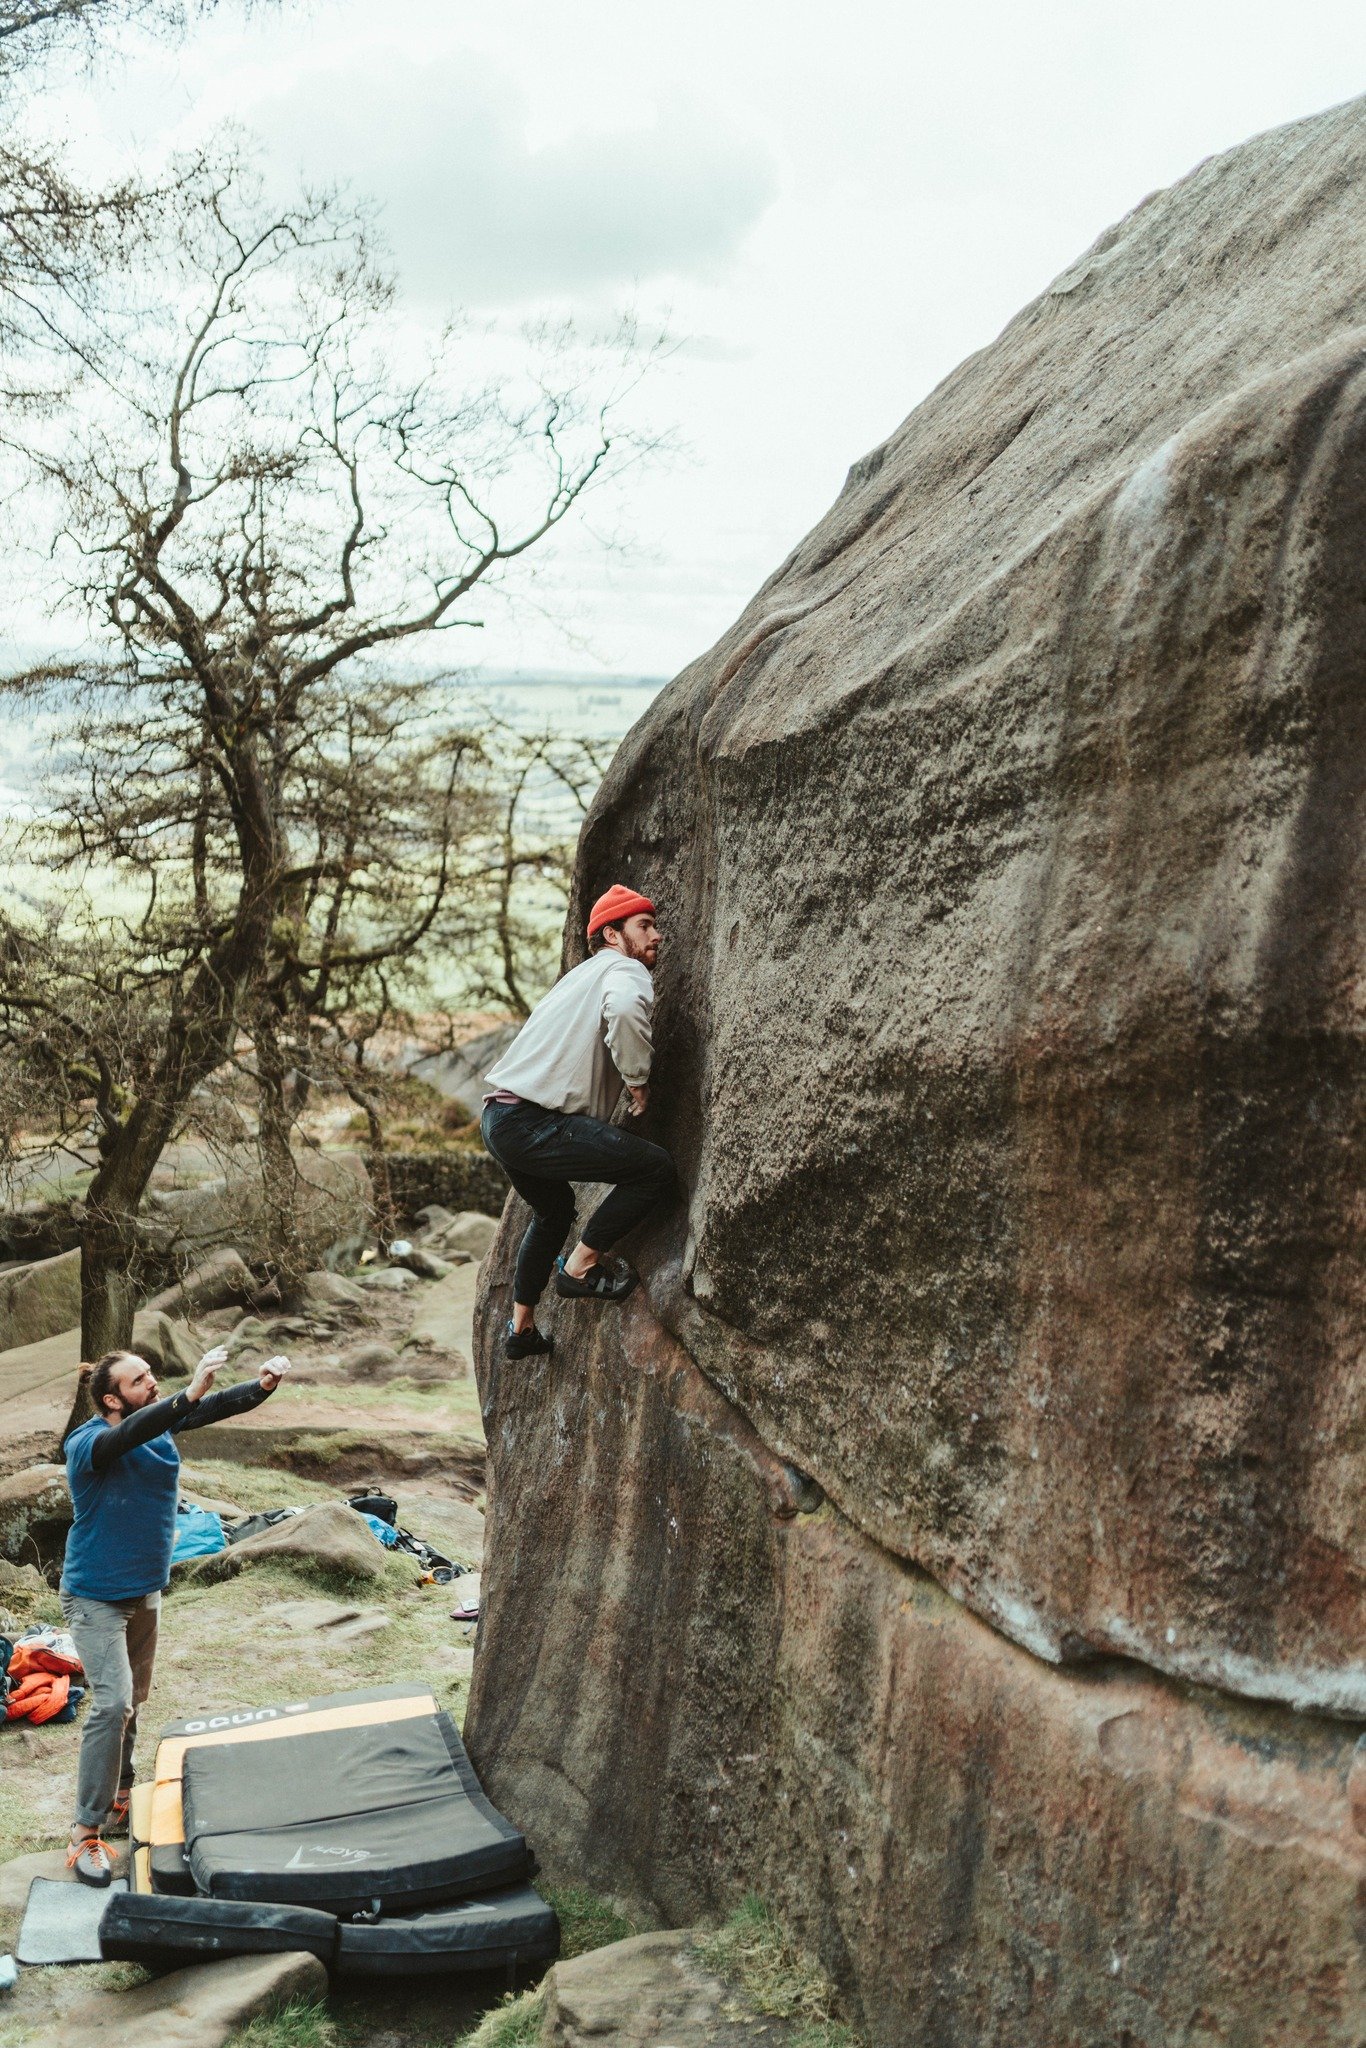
[755,1952]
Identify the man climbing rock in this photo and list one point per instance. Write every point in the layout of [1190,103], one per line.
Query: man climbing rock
[547,1118]
[124,1472]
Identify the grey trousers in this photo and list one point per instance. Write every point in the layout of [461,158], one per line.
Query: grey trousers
[117,1644]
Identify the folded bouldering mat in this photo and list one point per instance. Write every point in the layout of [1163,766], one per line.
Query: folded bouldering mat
[501,1930]
[354,1805]
[166,1862]
[62,1920]
[504,1930]
[162,1932]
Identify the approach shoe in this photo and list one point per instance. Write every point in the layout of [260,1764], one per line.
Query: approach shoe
[90,1860]
[527,1343]
[608,1280]
[116,1820]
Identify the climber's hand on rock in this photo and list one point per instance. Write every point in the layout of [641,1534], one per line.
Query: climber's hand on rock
[640,1099]
[272,1372]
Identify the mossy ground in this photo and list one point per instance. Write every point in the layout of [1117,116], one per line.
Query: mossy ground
[756,1953]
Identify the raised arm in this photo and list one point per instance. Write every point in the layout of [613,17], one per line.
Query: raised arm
[207,1408]
[138,1428]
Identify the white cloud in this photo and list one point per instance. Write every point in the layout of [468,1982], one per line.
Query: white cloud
[475,214]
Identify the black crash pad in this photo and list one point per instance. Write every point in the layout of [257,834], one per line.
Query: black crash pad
[137,1928]
[500,1930]
[343,1818]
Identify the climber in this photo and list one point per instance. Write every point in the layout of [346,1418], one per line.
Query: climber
[124,1472]
[547,1116]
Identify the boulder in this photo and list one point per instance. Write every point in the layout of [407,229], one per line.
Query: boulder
[1010,1050]
[170,1346]
[330,1538]
[24,1592]
[195,2008]
[424,1263]
[333,1201]
[218,1281]
[470,1232]
[332,1290]
[35,1513]
[389,1280]
[652,1988]
[371,1362]
[40,1300]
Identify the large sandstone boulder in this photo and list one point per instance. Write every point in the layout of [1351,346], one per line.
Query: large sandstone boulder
[1010,1044]
[684,1690]
[40,1300]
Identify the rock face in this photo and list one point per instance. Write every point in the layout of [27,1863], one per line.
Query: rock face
[1010,851]
[684,1690]
[40,1300]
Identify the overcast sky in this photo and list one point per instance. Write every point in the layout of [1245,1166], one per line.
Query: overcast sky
[832,206]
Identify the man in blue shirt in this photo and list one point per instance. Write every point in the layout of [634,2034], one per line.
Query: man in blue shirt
[124,1472]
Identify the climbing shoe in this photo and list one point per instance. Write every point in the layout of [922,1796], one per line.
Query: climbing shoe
[608,1280]
[90,1860]
[527,1343]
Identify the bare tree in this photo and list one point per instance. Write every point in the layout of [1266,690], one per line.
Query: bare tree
[271,497]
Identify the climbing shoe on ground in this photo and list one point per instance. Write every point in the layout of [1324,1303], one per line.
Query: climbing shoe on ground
[90,1860]
[116,1820]
[527,1343]
[608,1280]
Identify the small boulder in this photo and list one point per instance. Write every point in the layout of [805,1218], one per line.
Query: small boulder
[35,1511]
[332,1290]
[424,1263]
[195,2008]
[390,1280]
[431,1221]
[251,1334]
[651,1988]
[330,1537]
[24,1593]
[370,1362]
[216,1282]
[470,1232]
[169,1346]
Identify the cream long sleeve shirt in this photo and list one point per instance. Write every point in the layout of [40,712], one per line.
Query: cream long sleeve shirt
[591,1033]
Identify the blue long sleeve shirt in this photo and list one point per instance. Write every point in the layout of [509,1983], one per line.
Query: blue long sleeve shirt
[125,1482]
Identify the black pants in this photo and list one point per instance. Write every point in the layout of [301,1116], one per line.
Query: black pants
[542,1151]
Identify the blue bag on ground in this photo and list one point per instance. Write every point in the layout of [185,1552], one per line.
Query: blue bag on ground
[197,1533]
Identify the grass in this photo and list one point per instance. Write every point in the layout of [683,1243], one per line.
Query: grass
[755,1952]
[300,2024]
[515,2023]
[586,1920]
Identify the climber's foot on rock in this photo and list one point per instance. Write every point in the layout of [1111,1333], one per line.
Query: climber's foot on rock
[88,1857]
[607,1280]
[527,1343]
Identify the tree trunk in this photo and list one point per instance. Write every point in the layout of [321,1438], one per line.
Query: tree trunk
[279,1173]
[386,1217]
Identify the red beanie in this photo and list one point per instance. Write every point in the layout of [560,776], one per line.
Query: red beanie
[619,902]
